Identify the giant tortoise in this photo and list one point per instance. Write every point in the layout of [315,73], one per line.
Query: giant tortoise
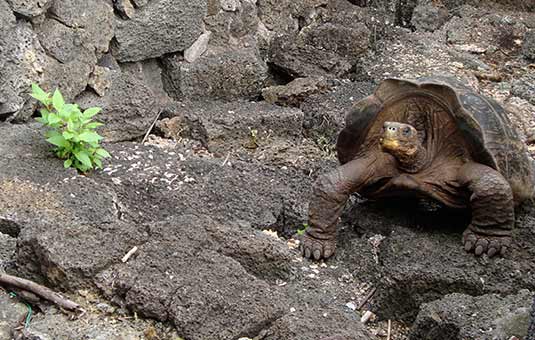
[431,137]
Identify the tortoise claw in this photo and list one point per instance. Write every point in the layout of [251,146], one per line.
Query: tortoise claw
[313,248]
[485,244]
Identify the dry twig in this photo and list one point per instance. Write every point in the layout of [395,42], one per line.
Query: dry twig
[39,290]
[368,297]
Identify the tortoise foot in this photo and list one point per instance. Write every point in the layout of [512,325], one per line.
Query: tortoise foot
[313,248]
[485,244]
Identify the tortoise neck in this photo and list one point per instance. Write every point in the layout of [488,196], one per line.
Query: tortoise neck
[414,161]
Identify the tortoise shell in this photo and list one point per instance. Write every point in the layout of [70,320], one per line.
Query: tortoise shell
[489,135]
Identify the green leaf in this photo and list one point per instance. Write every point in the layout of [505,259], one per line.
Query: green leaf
[91,112]
[102,153]
[98,163]
[53,119]
[38,93]
[67,163]
[57,100]
[68,135]
[59,141]
[90,137]
[83,157]
[93,125]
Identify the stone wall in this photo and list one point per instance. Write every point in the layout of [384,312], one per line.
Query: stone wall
[132,57]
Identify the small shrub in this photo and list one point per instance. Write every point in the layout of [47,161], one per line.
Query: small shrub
[71,131]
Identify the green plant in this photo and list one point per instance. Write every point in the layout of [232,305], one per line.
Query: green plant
[71,130]
[302,230]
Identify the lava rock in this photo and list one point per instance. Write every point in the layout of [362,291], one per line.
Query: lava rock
[428,16]
[223,127]
[422,259]
[528,46]
[324,113]
[129,106]
[159,282]
[29,8]
[307,325]
[525,88]
[219,74]
[295,92]
[149,33]
[325,49]
[11,312]
[7,247]
[91,20]
[55,325]
[460,316]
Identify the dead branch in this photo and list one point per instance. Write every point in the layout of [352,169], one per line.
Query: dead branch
[368,297]
[39,290]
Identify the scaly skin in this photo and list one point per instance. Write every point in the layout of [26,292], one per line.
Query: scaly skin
[330,194]
[492,210]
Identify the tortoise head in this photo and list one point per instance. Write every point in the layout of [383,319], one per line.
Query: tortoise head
[403,142]
[399,139]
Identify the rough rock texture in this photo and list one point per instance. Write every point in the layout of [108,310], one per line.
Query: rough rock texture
[92,21]
[528,48]
[459,316]
[428,16]
[233,23]
[219,74]
[11,312]
[148,33]
[55,325]
[159,281]
[7,248]
[324,113]
[525,88]
[223,127]
[129,106]
[421,259]
[295,92]
[328,45]
[29,8]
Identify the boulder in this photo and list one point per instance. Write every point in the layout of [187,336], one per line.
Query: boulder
[129,105]
[328,45]
[159,282]
[92,22]
[22,61]
[226,74]
[295,92]
[158,28]
[324,49]
[459,316]
[233,23]
[29,8]
[223,127]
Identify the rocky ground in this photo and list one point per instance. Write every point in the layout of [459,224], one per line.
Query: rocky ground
[247,97]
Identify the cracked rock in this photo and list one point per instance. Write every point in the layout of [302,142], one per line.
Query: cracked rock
[459,316]
[30,8]
[149,34]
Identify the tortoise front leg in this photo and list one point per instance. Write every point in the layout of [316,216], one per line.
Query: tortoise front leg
[330,193]
[492,207]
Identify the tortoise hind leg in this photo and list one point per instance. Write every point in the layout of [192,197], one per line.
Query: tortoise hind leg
[330,193]
[492,207]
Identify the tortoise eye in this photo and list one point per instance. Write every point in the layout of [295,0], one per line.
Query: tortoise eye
[406,131]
